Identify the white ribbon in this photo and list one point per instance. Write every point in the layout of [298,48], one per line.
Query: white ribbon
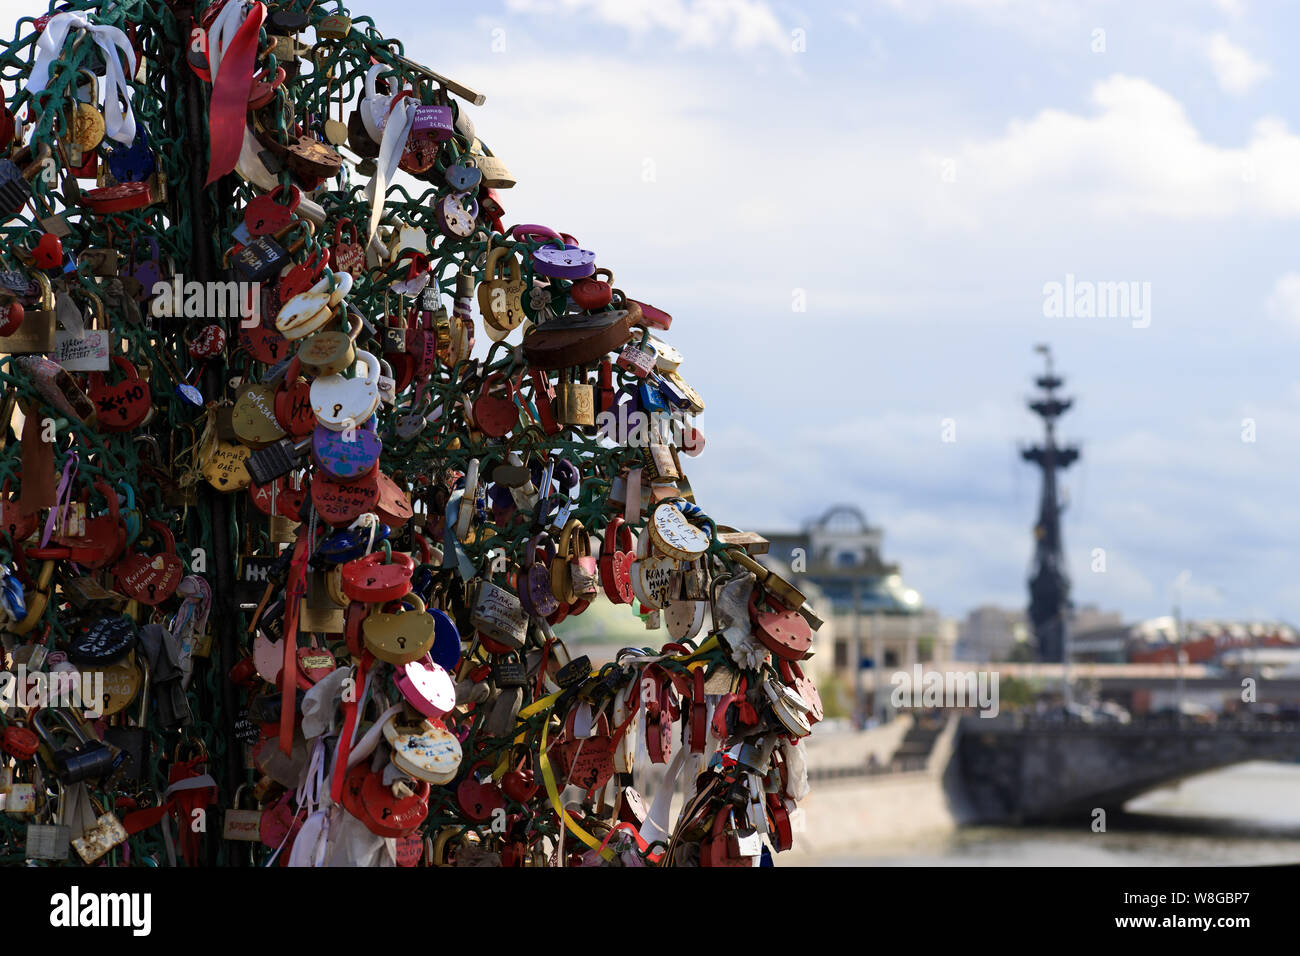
[396,133]
[117,124]
[222,31]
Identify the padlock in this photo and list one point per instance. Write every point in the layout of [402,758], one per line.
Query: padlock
[86,759]
[509,671]
[134,740]
[242,824]
[37,333]
[575,401]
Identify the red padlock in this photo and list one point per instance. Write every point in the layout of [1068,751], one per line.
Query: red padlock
[123,405]
[48,251]
[617,552]
[347,254]
[342,502]
[11,317]
[293,402]
[592,293]
[151,579]
[373,580]
[477,799]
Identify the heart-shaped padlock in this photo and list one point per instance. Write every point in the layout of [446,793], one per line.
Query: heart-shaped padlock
[390,815]
[478,799]
[617,552]
[401,637]
[593,293]
[283,497]
[344,459]
[254,418]
[340,403]
[784,632]
[424,748]
[121,406]
[496,414]
[393,505]
[342,502]
[378,577]
[151,578]
[427,687]
[293,403]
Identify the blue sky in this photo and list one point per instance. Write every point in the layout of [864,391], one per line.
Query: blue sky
[915,172]
[920,171]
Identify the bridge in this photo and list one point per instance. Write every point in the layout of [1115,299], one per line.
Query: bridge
[1124,677]
[1017,769]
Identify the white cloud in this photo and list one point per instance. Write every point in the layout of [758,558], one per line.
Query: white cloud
[740,24]
[1235,69]
[1284,302]
[1233,8]
[1138,155]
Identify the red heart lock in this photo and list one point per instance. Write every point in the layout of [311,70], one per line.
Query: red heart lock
[11,317]
[208,343]
[122,405]
[266,214]
[478,800]
[520,783]
[389,815]
[289,494]
[496,414]
[393,505]
[293,402]
[13,522]
[592,293]
[781,630]
[48,251]
[151,578]
[347,254]
[342,502]
[617,552]
[304,275]
[314,665]
[264,344]
[261,92]
[373,580]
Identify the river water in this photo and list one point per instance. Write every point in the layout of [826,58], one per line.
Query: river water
[1243,815]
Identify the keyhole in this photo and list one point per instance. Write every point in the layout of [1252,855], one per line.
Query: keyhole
[338,407]
[152,588]
[401,642]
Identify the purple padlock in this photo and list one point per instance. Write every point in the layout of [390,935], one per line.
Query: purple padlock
[454,219]
[567,263]
[433,121]
[342,459]
[148,272]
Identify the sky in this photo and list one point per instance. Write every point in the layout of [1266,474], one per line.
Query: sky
[853,211]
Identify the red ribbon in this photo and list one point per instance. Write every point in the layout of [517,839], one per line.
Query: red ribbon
[229,104]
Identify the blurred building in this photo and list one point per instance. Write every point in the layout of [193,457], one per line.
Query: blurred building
[992,633]
[877,623]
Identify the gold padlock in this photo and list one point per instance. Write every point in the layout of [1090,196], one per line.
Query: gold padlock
[36,335]
[334,27]
[575,402]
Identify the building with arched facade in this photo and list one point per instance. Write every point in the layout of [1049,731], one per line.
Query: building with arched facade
[880,624]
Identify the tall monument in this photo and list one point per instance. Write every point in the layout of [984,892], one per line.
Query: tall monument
[1049,584]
